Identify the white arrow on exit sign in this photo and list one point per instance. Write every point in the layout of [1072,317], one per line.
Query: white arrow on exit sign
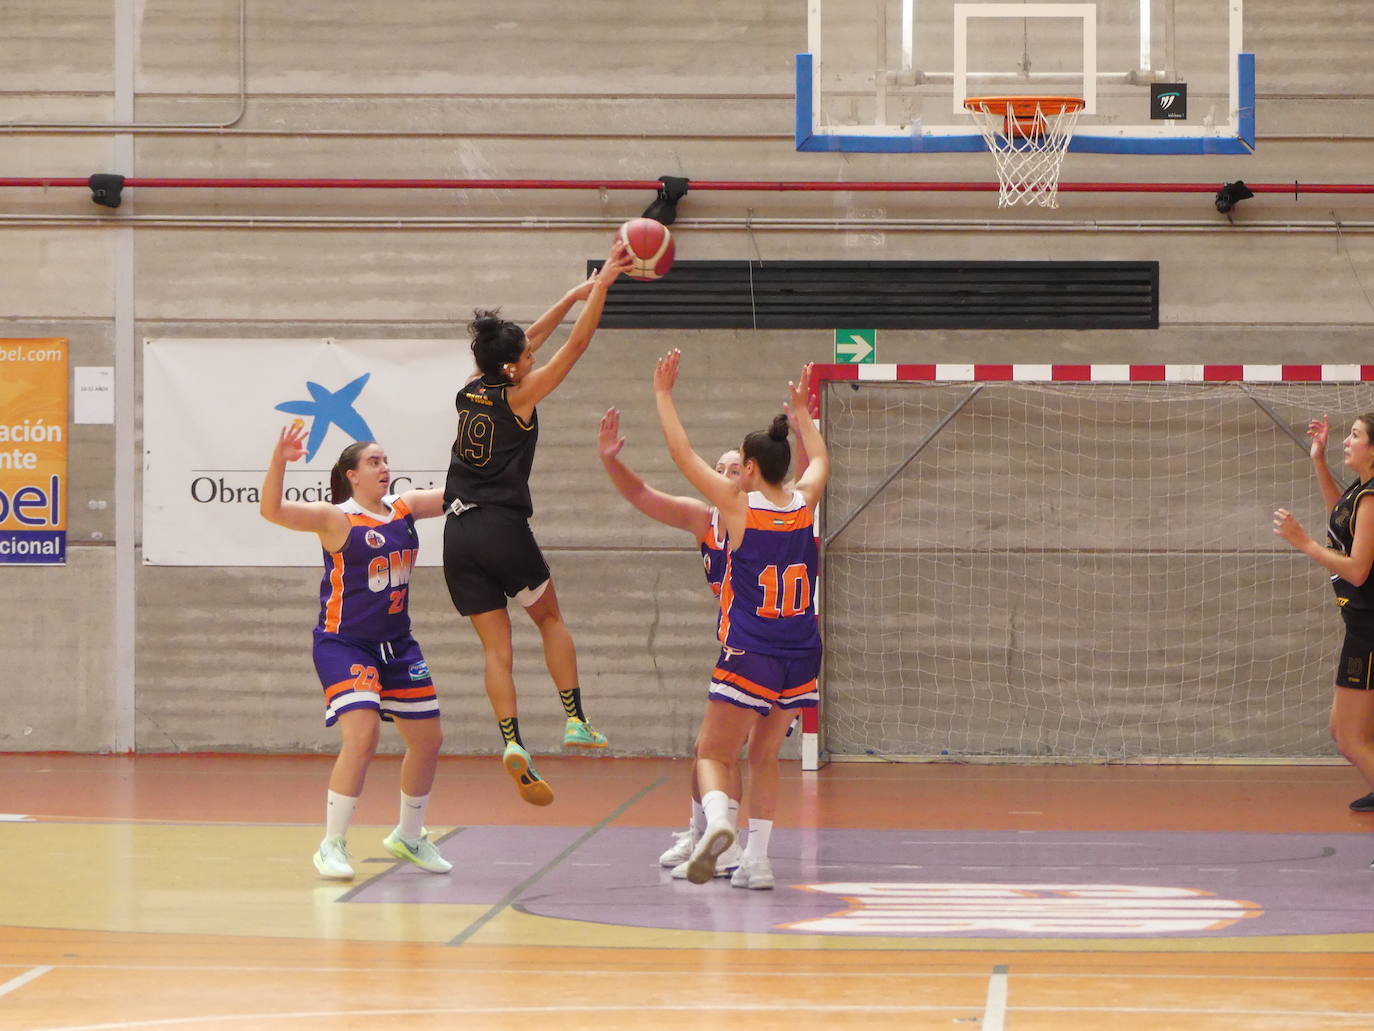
[855,346]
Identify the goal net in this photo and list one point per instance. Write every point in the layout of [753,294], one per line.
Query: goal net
[1072,564]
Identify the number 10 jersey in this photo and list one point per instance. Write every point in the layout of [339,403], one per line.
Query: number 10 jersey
[767,602]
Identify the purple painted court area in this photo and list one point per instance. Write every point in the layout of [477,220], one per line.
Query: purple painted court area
[973,884]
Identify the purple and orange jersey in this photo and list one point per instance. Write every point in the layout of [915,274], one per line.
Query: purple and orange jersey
[713,553]
[767,600]
[363,593]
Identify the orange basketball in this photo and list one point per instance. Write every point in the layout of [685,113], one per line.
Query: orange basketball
[650,245]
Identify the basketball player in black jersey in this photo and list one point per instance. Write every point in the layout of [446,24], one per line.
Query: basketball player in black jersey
[490,554]
[1348,556]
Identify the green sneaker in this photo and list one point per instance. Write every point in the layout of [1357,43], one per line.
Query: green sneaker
[533,788]
[581,734]
[422,853]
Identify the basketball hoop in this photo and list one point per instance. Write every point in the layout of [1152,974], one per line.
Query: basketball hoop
[1028,137]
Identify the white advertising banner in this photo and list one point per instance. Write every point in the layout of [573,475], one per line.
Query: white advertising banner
[212,410]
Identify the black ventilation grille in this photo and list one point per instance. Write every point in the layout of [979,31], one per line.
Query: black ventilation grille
[891,295]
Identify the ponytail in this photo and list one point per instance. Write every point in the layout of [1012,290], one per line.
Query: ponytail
[769,450]
[340,490]
[496,343]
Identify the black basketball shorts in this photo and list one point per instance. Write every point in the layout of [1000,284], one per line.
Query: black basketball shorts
[490,554]
[1357,659]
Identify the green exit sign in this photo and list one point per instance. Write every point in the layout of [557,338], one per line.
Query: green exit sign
[856,346]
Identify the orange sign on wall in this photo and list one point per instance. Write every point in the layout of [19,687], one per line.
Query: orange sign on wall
[33,451]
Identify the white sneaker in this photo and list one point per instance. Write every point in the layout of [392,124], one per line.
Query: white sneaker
[331,860]
[681,850]
[726,863]
[753,873]
[718,837]
[422,853]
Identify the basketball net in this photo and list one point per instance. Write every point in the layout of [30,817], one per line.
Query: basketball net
[1028,137]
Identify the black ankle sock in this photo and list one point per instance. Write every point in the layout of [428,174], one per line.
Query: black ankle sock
[572,703]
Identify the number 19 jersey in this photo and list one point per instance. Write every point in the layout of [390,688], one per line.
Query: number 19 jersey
[493,450]
[767,602]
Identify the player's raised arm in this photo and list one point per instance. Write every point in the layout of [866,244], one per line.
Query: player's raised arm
[717,489]
[542,382]
[544,325]
[811,481]
[800,459]
[1320,431]
[309,516]
[690,514]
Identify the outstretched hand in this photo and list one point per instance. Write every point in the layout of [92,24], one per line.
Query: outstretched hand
[291,442]
[608,438]
[583,290]
[1320,431]
[800,397]
[665,372]
[619,260]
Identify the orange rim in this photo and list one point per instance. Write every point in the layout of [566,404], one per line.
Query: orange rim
[1024,106]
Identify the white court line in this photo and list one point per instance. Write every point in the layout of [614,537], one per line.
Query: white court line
[676,972]
[504,972]
[23,979]
[995,1009]
[261,1019]
[15,818]
[695,1007]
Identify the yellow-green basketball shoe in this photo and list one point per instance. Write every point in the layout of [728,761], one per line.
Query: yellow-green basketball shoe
[422,853]
[532,787]
[581,734]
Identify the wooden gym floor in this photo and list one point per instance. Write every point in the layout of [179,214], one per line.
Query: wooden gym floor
[177,892]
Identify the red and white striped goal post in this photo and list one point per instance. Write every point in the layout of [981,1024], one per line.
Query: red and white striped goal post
[979,372]
[1097,373]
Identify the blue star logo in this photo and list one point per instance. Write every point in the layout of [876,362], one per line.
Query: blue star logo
[330,408]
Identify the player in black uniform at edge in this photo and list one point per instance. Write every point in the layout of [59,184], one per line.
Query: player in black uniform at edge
[490,553]
[1348,556]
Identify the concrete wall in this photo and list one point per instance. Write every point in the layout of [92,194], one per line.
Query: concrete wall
[432,89]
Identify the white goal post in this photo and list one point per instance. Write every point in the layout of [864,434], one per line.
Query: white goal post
[1075,562]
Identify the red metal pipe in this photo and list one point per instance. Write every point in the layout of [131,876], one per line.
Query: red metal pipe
[698,185]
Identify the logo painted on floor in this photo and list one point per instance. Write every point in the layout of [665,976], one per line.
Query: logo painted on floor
[996,885]
[1033,909]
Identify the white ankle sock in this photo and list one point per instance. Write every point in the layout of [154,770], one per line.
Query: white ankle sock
[412,823]
[734,813]
[338,814]
[759,833]
[698,817]
[717,807]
